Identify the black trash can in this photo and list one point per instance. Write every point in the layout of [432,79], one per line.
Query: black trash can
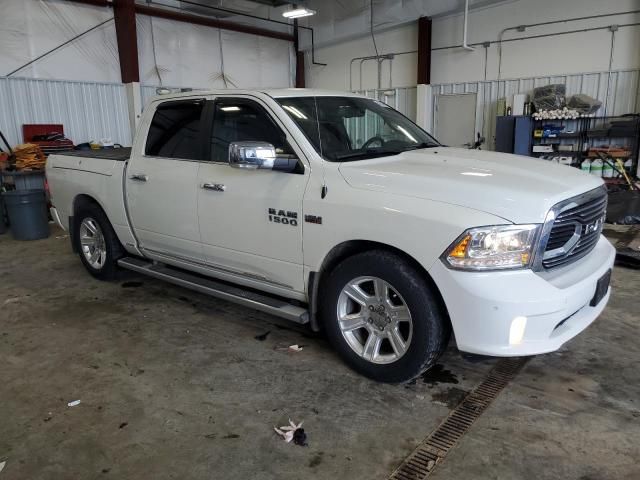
[3,217]
[27,212]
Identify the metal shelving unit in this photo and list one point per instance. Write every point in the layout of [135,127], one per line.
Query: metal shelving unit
[617,136]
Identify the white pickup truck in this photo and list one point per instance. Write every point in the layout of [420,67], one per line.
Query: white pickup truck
[336,210]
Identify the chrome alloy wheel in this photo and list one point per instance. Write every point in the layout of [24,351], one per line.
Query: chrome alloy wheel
[92,243]
[374,320]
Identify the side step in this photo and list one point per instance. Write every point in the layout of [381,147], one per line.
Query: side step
[248,298]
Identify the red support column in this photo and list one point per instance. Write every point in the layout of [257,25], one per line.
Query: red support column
[299,57]
[424,50]
[125,19]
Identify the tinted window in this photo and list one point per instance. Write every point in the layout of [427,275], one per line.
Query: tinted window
[303,111]
[354,128]
[240,120]
[175,130]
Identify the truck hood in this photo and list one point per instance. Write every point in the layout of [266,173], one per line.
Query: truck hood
[516,188]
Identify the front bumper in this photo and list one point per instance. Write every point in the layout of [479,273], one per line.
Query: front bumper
[483,305]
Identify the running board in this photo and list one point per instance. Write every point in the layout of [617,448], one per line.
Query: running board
[257,301]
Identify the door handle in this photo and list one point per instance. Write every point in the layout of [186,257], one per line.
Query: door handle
[216,187]
[140,177]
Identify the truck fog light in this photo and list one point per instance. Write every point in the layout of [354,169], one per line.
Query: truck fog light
[516,332]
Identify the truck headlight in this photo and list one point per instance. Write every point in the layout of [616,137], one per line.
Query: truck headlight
[493,248]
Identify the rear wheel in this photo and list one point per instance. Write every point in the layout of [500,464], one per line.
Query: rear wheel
[96,242]
[382,318]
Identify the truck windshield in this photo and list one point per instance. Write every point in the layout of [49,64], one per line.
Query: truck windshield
[351,128]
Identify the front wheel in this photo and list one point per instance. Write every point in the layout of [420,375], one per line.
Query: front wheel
[382,317]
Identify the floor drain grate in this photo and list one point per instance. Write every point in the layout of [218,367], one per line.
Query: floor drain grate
[435,447]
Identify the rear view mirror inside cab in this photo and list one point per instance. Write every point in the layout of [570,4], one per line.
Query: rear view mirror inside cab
[350,111]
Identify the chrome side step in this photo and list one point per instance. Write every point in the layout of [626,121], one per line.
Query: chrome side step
[257,301]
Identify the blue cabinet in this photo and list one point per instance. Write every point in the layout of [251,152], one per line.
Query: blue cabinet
[513,134]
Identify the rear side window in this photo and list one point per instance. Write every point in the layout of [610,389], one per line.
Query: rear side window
[242,120]
[175,130]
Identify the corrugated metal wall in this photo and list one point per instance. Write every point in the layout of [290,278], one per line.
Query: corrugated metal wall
[619,98]
[402,99]
[88,110]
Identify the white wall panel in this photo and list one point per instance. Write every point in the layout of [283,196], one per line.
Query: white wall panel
[187,55]
[88,111]
[623,94]
[343,33]
[30,28]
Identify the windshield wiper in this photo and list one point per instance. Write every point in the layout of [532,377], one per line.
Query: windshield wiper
[366,154]
[421,145]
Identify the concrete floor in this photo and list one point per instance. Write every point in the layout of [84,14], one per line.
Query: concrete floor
[173,384]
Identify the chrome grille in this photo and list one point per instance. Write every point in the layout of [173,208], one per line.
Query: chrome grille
[576,229]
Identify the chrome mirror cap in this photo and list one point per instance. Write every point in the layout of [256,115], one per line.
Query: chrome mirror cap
[252,155]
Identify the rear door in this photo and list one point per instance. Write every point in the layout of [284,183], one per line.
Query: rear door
[251,226]
[162,180]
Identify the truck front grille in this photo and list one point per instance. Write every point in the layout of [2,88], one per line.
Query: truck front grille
[576,229]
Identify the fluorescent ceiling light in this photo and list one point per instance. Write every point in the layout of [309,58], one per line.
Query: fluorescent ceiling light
[298,13]
[230,109]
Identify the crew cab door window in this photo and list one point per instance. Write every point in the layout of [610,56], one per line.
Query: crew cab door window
[175,130]
[242,120]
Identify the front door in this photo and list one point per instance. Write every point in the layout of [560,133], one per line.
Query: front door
[162,183]
[251,222]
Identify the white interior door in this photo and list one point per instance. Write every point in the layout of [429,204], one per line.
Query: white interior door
[455,119]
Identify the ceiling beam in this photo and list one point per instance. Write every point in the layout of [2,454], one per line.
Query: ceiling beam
[210,22]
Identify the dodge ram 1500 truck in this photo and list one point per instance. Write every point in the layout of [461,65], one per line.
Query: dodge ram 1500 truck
[336,210]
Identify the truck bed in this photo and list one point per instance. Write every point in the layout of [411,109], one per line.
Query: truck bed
[117,154]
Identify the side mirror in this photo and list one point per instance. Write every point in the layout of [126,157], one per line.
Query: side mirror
[252,155]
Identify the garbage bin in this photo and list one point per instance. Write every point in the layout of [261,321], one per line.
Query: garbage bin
[27,212]
[3,224]
[25,179]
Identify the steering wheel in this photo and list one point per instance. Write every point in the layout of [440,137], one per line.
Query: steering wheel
[375,138]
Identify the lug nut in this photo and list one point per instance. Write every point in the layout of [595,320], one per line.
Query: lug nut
[370,320]
[371,308]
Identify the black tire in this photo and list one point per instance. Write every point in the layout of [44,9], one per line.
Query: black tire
[431,327]
[114,250]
